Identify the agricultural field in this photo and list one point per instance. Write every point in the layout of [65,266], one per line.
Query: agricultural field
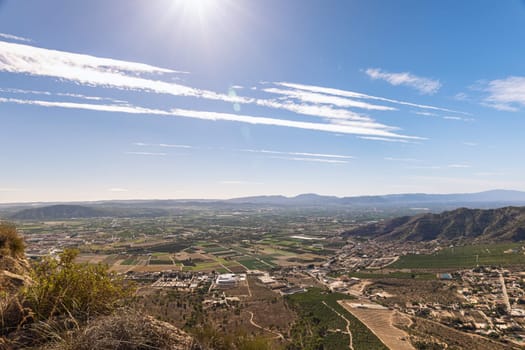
[320,323]
[394,274]
[381,322]
[507,254]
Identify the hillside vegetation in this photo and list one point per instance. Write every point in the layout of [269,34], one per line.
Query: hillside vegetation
[468,225]
[60,304]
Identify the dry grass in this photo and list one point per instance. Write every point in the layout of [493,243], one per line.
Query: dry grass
[124,330]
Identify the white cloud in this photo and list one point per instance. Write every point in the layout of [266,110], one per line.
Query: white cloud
[470,144]
[401,159]
[506,94]
[451,117]
[426,114]
[369,129]
[62,94]
[352,94]
[459,166]
[96,71]
[423,85]
[316,160]
[239,182]
[173,146]
[373,138]
[112,73]
[142,144]
[148,153]
[326,112]
[307,154]
[317,98]
[14,37]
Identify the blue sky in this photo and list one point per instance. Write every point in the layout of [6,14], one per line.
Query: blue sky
[218,99]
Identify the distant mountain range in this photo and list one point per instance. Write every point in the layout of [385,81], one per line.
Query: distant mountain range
[68,211]
[395,204]
[494,196]
[466,225]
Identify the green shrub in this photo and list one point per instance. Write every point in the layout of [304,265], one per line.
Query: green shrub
[65,288]
[11,243]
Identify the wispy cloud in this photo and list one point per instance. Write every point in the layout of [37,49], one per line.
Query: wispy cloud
[470,144]
[459,166]
[173,145]
[61,94]
[426,114]
[374,138]
[423,85]
[315,160]
[454,117]
[166,145]
[318,98]
[506,94]
[356,129]
[446,117]
[96,71]
[307,154]
[326,112]
[394,159]
[112,73]
[358,95]
[14,37]
[239,182]
[148,153]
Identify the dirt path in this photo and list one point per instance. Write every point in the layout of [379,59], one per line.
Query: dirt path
[380,322]
[350,345]
[504,290]
[278,335]
[249,289]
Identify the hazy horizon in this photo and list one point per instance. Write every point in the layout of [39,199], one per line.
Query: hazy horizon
[209,99]
[259,195]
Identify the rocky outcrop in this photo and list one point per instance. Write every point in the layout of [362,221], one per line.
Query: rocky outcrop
[14,273]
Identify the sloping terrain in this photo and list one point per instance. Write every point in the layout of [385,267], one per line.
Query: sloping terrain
[492,225]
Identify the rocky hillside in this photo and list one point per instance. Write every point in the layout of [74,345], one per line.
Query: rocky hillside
[493,225]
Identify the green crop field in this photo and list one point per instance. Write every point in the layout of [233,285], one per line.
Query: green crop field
[132,260]
[316,319]
[396,274]
[465,257]
[254,264]
[160,262]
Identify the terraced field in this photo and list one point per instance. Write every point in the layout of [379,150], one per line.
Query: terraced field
[379,321]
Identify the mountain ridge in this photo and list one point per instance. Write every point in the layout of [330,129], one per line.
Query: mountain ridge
[468,225]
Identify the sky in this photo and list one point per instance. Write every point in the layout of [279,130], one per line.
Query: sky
[137,99]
